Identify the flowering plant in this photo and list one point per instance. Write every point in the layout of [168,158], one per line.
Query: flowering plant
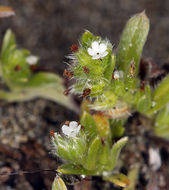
[18,70]
[84,149]
[112,90]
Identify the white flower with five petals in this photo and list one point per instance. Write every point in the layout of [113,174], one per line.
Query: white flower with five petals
[72,129]
[32,60]
[97,51]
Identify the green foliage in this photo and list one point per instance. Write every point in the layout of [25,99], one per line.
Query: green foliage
[111,89]
[112,83]
[131,43]
[86,153]
[115,151]
[98,71]
[117,127]
[90,125]
[58,184]
[160,95]
[92,154]
[162,122]
[22,81]
[118,179]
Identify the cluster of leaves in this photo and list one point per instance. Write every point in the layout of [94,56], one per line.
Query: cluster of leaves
[111,88]
[109,100]
[21,80]
[91,152]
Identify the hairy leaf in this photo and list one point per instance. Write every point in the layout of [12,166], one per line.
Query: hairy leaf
[116,149]
[58,184]
[131,43]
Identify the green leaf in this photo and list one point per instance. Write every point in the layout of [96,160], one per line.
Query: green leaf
[44,85]
[109,70]
[74,169]
[14,68]
[8,43]
[110,100]
[77,148]
[115,151]
[16,78]
[161,95]
[58,184]
[50,86]
[117,127]
[143,100]
[133,177]
[162,123]
[131,43]
[104,156]
[92,156]
[87,38]
[89,125]
[44,79]
[118,179]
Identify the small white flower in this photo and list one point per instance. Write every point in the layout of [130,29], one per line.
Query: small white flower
[32,60]
[118,74]
[72,130]
[98,50]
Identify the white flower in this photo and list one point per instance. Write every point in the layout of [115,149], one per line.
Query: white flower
[98,50]
[32,60]
[72,130]
[118,74]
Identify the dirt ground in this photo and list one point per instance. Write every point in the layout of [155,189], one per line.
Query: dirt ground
[48,28]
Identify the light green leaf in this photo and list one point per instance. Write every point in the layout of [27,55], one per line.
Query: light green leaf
[161,95]
[88,38]
[110,100]
[162,123]
[89,125]
[93,153]
[109,70]
[8,43]
[58,184]
[116,149]
[44,85]
[118,179]
[131,43]
[133,177]
[117,127]
[143,100]
[14,68]
[104,155]
[74,169]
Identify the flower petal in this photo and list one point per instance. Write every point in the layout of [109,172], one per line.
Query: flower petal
[95,46]
[66,130]
[96,56]
[103,48]
[90,51]
[31,60]
[78,128]
[73,125]
[104,54]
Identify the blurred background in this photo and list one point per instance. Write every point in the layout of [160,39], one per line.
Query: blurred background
[48,28]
